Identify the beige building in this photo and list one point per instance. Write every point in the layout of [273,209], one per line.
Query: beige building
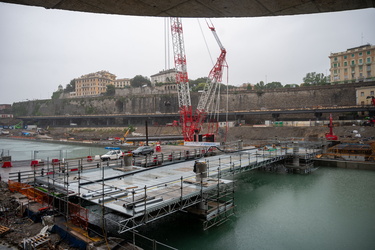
[164,76]
[121,83]
[362,94]
[361,97]
[353,65]
[94,84]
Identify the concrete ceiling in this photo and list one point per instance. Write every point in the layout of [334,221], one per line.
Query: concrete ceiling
[201,8]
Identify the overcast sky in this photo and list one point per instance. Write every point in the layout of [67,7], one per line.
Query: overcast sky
[41,49]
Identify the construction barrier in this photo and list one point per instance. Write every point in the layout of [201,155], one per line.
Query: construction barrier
[155,160]
[77,214]
[30,192]
[7,164]
[55,161]
[34,163]
[89,158]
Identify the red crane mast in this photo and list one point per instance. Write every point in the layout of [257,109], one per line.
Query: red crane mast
[192,123]
[182,79]
[205,104]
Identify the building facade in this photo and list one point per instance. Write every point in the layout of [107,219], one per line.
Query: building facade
[94,84]
[364,95]
[353,65]
[164,76]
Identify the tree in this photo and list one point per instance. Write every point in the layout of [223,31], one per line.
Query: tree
[56,94]
[291,86]
[198,81]
[273,85]
[70,87]
[139,81]
[312,79]
[197,87]
[260,85]
[110,90]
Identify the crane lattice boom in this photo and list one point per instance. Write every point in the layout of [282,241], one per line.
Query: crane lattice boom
[192,124]
[182,79]
[213,80]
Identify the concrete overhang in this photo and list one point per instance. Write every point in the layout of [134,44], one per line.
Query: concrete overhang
[201,8]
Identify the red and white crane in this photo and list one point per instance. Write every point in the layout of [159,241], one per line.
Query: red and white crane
[182,79]
[192,123]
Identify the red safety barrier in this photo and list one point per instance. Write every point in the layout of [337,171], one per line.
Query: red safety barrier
[156,160]
[170,157]
[89,158]
[158,148]
[55,161]
[74,169]
[34,163]
[7,164]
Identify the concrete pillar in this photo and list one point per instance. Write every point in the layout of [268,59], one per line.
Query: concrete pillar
[295,154]
[200,169]
[240,144]
[128,161]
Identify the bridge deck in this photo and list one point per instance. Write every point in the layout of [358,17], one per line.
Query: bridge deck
[136,192]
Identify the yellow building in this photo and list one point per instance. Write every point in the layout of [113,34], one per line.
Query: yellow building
[364,97]
[353,65]
[362,94]
[94,84]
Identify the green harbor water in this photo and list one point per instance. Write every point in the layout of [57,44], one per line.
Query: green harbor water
[331,208]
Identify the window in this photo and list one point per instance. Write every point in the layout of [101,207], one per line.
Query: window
[335,58]
[353,62]
[368,59]
[345,70]
[352,55]
[368,52]
[345,57]
[360,53]
[362,93]
[360,61]
[371,92]
[335,65]
[345,63]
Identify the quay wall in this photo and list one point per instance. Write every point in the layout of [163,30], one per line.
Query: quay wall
[149,101]
[346,164]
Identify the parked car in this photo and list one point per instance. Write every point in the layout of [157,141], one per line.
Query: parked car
[112,155]
[144,150]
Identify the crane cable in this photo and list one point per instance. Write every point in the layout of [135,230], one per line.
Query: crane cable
[205,41]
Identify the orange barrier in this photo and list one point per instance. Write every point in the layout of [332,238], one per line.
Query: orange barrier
[78,214]
[30,192]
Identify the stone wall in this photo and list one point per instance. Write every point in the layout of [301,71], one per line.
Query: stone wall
[150,100]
